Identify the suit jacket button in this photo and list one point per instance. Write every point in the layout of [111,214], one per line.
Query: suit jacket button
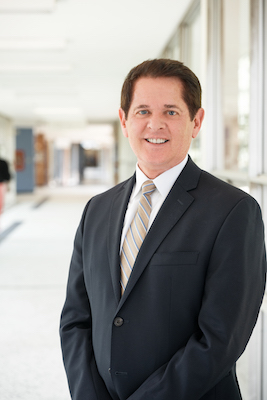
[118,321]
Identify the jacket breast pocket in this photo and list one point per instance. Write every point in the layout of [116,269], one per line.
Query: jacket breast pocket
[175,258]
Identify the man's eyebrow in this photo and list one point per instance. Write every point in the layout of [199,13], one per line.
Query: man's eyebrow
[169,106]
[141,106]
[172,106]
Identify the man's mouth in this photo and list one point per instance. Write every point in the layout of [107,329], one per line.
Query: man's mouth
[157,141]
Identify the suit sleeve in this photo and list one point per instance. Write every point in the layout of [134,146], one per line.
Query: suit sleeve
[231,301]
[85,383]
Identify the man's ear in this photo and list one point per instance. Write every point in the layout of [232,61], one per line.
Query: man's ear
[198,119]
[123,122]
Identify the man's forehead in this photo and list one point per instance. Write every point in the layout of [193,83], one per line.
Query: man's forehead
[154,80]
[143,85]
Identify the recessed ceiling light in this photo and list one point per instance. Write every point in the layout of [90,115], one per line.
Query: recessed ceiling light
[26,5]
[34,68]
[71,111]
[32,44]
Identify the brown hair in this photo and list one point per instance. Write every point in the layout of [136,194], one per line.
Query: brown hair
[164,68]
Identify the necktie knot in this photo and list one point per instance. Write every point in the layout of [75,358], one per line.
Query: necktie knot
[148,187]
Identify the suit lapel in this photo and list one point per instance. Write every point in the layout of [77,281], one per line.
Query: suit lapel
[175,205]
[117,213]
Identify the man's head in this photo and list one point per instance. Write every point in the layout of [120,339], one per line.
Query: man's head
[164,68]
[160,114]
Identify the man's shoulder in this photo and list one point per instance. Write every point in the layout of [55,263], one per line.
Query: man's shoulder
[195,178]
[225,194]
[99,205]
[212,181]
[104,199]
[114,190]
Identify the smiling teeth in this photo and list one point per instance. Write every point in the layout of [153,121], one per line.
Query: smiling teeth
[156,140]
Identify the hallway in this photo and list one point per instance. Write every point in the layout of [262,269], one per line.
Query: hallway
[34,262]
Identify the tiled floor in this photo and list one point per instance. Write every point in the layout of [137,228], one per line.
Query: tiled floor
[34,261]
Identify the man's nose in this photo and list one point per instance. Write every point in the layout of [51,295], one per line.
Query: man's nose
[156,122]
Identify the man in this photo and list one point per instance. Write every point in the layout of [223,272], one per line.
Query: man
[163,315]
[4,179]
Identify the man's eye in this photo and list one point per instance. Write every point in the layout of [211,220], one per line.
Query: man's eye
[142,112]
[171,112]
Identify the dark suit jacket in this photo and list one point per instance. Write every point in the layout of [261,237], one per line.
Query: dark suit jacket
[190,305]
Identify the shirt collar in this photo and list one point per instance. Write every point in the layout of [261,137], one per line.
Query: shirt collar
[163,182]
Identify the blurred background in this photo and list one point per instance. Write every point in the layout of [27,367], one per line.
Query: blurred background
[62,65]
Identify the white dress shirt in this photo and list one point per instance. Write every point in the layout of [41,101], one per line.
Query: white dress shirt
[163,183]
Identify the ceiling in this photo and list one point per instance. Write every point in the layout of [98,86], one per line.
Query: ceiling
[64,61]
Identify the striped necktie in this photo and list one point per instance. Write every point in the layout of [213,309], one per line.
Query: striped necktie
[136,233]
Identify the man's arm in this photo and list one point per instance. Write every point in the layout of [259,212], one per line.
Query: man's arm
[84,380]
[233,294]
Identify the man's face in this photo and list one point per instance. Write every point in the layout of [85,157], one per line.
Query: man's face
[158,125]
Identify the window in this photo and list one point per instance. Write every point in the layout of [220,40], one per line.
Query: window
[236,82]
[172,50]
[191,56]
